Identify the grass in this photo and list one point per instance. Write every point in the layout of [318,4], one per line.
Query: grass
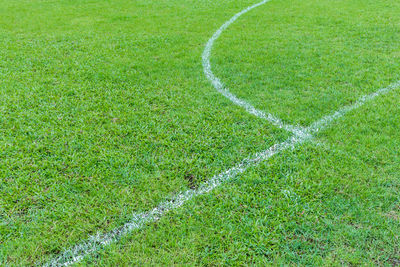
[104,111]
[305,60]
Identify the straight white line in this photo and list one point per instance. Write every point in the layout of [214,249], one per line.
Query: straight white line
[315,127]
[219,86]
[139,220]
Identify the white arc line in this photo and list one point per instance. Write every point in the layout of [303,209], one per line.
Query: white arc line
[219,86]
[139,220]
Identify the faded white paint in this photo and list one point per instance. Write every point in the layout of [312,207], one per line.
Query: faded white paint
[219,86]
[301,135]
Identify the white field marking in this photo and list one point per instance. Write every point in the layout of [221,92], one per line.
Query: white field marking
[139,220]
[320,124]
[219,86]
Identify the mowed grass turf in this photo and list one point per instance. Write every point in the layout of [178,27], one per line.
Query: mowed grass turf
[303,60]
[105,111]
[332,204]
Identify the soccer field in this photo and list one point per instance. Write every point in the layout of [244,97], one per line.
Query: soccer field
[183,132]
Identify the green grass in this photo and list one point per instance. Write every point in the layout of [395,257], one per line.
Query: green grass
[104,111]
[302,60]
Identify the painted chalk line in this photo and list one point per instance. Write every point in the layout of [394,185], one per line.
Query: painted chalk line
[315,127]
[219,86]
[139,220]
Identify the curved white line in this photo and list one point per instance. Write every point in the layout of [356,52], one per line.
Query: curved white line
[219,86]
[139,220]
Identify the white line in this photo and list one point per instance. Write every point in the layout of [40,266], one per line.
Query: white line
[315,127]
[139,220]
[219,86]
